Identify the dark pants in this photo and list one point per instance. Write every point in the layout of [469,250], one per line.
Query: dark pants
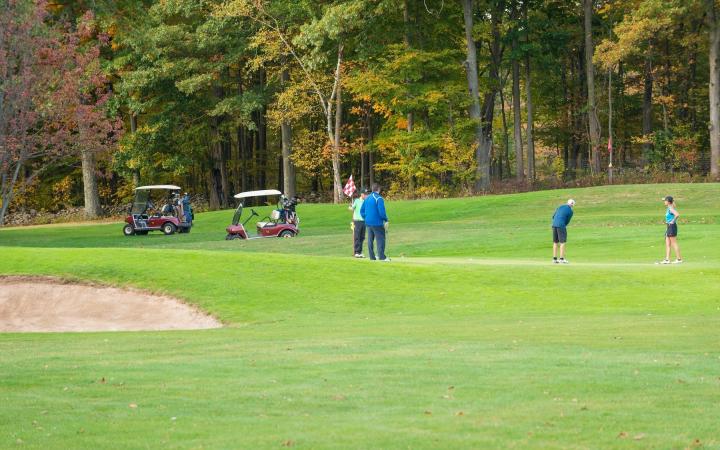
[358,236]
[379,233]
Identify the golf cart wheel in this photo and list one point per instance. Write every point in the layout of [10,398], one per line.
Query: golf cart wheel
[169,228]
[286,234]
[128,230]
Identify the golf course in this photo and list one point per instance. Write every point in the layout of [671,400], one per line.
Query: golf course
[469,338]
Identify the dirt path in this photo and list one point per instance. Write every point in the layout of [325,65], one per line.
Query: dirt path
[47,304]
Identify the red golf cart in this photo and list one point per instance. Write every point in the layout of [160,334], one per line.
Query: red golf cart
[144,216]
[282,222]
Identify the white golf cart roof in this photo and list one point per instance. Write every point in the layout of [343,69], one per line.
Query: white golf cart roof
[169,187]
[258,193]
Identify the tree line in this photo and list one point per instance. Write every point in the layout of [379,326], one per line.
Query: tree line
[428,97]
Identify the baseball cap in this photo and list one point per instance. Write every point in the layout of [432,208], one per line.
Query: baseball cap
[668,198]
[365,191]
[571,202]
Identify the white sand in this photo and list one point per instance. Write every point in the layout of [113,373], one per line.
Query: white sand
[46,304]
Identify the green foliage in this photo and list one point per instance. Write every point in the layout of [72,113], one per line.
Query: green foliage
[676,150]
[203,80]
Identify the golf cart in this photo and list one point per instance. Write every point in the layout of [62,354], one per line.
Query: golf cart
[169,218]
[282,222]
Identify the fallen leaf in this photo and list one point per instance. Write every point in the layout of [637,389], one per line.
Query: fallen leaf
[338,397]
[639,436]
[622,435]
[428,412]
[133,405]
[288,443]
[102,380]
[459,413]
[450,388]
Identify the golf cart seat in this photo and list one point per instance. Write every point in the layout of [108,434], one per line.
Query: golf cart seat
[264,224]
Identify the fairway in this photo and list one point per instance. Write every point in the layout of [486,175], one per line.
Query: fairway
[469,338]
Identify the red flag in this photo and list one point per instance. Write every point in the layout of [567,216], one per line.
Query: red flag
[610,147]
[349,188]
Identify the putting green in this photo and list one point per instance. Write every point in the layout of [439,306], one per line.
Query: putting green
[470,338]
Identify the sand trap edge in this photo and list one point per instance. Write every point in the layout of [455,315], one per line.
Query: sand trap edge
[212,322]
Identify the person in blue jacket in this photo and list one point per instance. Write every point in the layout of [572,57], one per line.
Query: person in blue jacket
[187,208]
[560,221]
[376,222]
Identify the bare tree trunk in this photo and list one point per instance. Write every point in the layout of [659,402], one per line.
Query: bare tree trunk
[482,149]
[337,182]
[593,122]
[647,125]
[529,105]
[363,168]
[517,117]
[287,164]
[406,41]
[225,157]
[133,130]
[90,189]
[567,119]
[371,169]
[7,191]
[370,154]
[506,137]
[610,128]
[333,131]
[530,123]
[262,148]
[714,88]
[213,179]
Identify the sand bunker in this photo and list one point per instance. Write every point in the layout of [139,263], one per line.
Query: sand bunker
[47,304]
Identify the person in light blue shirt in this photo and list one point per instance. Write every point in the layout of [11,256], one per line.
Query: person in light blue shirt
[671,232]
[358,223]
[560,221]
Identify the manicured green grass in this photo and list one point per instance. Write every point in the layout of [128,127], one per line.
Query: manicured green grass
[468,339]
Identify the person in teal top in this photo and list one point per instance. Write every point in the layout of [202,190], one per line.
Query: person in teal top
[358,224]
[671,232]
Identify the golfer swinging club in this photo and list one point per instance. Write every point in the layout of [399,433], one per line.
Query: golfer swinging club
[561,219]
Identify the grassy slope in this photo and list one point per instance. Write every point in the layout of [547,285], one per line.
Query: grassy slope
[450,352]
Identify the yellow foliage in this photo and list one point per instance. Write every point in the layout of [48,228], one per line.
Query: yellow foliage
[62,190]
[382,110]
